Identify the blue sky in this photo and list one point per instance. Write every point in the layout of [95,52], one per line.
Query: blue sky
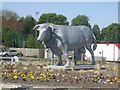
[101,13]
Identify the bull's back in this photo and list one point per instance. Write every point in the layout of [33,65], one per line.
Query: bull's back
[74,36]
[76,39]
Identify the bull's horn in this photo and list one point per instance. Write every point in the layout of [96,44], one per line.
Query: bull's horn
[36,26]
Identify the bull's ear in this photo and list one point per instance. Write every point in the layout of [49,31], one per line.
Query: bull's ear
[49,28]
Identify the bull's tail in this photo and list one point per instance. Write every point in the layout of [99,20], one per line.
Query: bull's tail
[94,42]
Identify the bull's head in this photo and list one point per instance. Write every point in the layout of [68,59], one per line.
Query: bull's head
[45,31]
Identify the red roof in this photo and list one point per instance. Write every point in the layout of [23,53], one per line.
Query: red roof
[118,45]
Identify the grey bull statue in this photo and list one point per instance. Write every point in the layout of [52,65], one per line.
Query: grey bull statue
[61,39]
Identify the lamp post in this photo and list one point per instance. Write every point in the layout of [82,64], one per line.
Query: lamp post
[24,43]
[36,14]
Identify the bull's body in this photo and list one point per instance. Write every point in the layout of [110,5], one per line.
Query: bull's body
[62,39]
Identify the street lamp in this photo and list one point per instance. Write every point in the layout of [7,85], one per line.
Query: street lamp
[24,43]
[36,14]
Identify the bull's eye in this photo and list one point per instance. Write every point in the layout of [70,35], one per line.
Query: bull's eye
[37,27]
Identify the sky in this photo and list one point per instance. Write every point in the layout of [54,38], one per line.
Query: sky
[100,13]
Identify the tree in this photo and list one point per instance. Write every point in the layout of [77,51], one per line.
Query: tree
[53,18]
[96,31]
[62,20]
[29,24]
[111,33]
[81,20]
[30,42]
[7,37]
[10,14]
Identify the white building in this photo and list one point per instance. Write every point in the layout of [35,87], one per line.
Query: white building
[110,52]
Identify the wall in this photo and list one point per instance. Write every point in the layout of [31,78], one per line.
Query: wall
[30,52]
[109,51]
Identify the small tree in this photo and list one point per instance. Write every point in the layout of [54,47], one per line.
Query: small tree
[96,31]
[111,33]
[81,20]
[53,18]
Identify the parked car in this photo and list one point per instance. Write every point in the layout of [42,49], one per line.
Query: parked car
[2,52]
[10,53]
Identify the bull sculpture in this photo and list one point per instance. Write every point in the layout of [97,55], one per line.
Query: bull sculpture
[61,39]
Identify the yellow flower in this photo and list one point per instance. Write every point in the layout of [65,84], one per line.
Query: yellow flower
[51,75]
[0,74]
[48,79]
[37,78]
[22,75]
[9,74]
[14,71]
[45,77]
[98,78]
[24,78]
[32,77]
[15,77]
[110,83]
[29,74]
[41,77]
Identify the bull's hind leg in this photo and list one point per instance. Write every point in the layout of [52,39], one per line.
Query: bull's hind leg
[60,61]
[76,56]
[83,55]
[52,58]
[91,52]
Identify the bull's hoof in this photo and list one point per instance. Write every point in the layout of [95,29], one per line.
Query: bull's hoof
[67,65]
[75,63]
[93,63]
[59,64]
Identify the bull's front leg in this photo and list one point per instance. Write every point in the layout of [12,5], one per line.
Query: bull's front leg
[52,58]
